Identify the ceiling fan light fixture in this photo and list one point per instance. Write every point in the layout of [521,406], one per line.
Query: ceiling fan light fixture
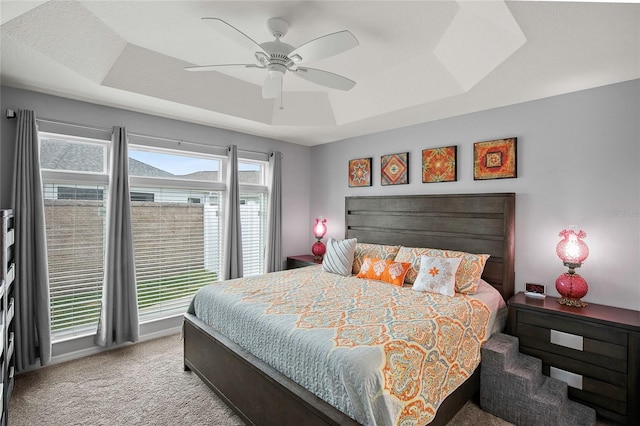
[277,70]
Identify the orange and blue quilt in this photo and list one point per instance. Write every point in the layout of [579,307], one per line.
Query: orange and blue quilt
[384,355]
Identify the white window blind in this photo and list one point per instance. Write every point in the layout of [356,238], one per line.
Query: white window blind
[75,246]
[253,208]
[253,214]
[177,236]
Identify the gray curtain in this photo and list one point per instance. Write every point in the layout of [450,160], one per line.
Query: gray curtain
[273,252]
[119,312]
[232,253]
[32,314]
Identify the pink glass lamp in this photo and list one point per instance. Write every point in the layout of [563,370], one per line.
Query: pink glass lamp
[573,251]
[319,229]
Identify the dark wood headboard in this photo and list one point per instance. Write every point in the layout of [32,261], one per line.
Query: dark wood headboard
[473,223]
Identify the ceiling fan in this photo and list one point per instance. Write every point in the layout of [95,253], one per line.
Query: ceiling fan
[278,57]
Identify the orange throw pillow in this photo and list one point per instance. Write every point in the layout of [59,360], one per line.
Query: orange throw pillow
[384,270]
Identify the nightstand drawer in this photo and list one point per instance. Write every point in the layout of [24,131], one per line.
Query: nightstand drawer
[539,332]
[596,374]
[593,346]
[577,327]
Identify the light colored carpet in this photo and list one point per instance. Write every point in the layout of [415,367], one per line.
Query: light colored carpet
[141,384]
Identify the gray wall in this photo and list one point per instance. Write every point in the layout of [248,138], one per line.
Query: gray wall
[578,164]
[295,163]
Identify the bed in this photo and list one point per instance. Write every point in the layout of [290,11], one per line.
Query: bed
[261,394]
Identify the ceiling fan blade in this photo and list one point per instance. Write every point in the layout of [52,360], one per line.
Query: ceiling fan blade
[272,87]
[325,78]
[214,67]
[234,34]
[325,46]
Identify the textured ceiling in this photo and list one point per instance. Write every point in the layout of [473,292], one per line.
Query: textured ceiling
[416,61]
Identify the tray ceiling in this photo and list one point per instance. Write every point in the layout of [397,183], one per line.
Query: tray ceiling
[417,61]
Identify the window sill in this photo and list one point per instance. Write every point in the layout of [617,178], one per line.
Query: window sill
[78,346]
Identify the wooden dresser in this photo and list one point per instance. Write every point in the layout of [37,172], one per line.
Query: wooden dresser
[595,349]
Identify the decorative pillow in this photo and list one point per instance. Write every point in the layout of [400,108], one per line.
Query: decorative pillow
[378,251]
[469,271]
[339,256]
[437,275]
[384,270]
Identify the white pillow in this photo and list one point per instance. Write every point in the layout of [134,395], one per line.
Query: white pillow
[338,258]
[437,275]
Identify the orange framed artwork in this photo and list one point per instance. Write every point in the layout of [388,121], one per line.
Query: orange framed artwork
[360,172]
[495,159]
[439,164]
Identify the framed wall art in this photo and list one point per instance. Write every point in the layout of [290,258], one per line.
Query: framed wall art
[394,169]
[360,172]
[439,164]
[494,159]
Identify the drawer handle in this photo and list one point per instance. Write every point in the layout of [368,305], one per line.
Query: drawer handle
[567,340]
[572,379]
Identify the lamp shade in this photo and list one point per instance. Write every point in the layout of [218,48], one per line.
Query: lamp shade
[571,249]
[320,227]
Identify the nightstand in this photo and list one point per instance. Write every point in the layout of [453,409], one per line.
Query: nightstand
[595,349]
[301,261]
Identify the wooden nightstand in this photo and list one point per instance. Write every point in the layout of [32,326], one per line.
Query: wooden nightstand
[596,349]
[301,261]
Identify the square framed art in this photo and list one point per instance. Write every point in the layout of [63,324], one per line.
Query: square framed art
[495,159]
[439,164]
[360,172]
[394,169]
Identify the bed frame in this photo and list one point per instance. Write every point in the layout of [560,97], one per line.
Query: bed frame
[260,395]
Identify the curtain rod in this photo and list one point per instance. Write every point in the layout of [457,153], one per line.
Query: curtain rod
[180,141]
[11,115]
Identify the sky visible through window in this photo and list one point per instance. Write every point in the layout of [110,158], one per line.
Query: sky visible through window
[180,165]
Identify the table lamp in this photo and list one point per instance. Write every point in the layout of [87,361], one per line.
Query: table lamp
[319,229]
[573,251]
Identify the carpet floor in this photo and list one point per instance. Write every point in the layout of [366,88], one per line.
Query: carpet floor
[141,384]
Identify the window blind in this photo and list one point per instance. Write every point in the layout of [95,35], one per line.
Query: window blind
[176,246]
[253,225]
[75,227]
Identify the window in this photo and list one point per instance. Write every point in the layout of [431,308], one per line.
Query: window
[176,239]
[75,186]
[179,236]
[177,205]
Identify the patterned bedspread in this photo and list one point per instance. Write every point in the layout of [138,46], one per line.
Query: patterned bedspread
[382,354]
